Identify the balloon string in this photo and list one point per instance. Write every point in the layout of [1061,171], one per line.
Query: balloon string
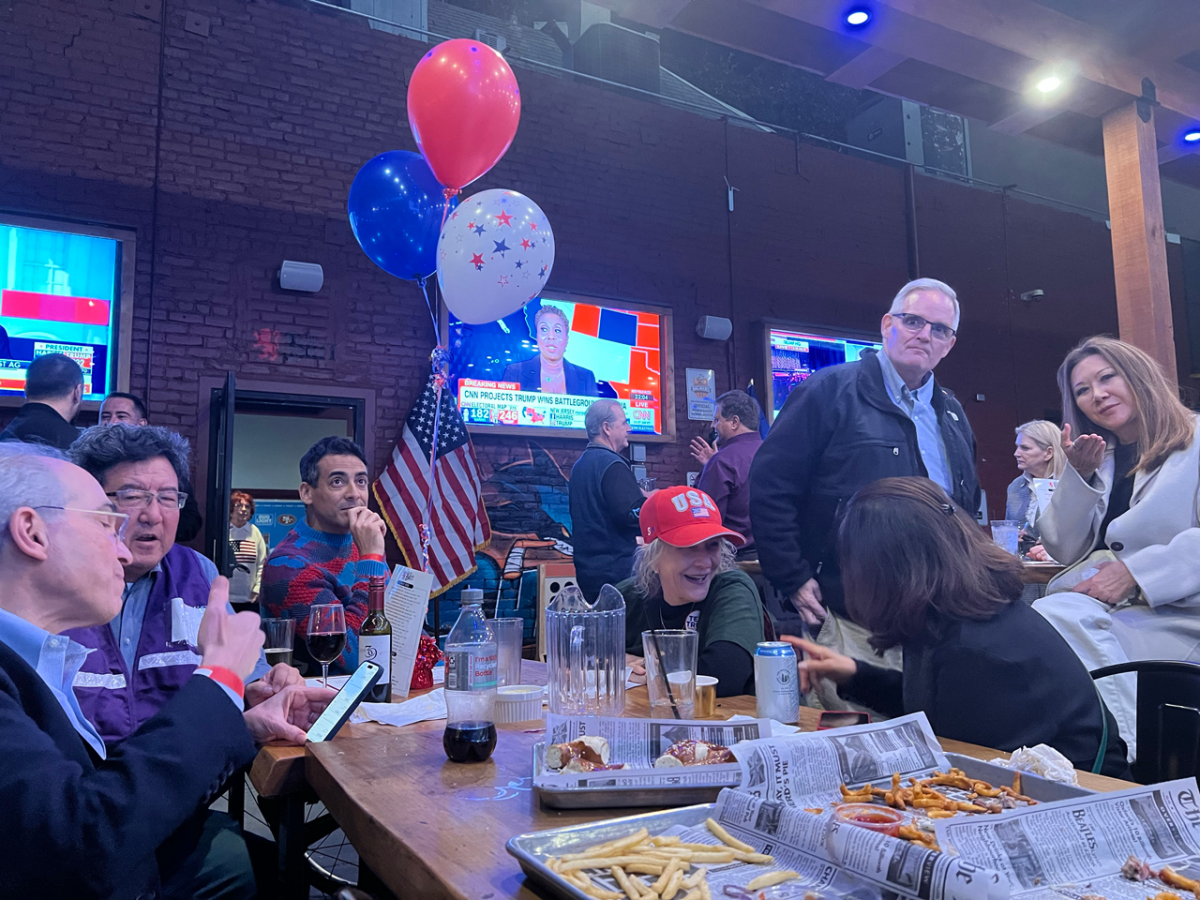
[449,194]
[421,283]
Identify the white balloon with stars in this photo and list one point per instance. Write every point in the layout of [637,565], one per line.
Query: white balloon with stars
[494,256]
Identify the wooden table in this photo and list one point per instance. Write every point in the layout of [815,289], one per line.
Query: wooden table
[434,829]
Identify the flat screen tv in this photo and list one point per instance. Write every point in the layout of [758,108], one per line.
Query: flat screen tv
[538,369]
[794,354]
[61,291]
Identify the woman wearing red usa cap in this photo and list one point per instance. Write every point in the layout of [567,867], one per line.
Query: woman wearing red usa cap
[684,577]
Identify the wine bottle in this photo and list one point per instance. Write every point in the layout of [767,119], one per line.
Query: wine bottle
[375,640]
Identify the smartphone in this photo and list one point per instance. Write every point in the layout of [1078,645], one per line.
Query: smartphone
[837,718]
[346,701]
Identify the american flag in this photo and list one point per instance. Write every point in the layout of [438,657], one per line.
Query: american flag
[459,524]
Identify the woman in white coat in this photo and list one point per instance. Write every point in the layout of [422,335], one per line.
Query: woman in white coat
[1124,516]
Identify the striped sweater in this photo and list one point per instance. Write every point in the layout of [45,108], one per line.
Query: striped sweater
[310,567]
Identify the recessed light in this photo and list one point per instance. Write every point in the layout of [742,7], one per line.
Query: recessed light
[858,17]
[1192,136]
[1049,83]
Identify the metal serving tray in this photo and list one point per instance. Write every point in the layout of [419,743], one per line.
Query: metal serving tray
[1032,786]
[618,796]
[530,849]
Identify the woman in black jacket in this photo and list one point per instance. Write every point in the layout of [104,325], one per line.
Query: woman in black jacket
[984,667]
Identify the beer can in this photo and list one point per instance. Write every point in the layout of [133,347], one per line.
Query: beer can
[776,682]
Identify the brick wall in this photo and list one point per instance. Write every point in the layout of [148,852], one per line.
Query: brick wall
[266,118]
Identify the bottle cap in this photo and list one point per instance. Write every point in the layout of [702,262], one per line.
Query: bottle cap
[470,595]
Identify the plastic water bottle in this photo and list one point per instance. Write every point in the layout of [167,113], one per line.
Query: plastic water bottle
[470,683]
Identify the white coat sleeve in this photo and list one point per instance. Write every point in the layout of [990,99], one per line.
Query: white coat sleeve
[1071,522]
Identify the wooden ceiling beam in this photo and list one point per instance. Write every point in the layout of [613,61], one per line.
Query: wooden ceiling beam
[866,67]
[1048,36]
[1024,118]
[655,13]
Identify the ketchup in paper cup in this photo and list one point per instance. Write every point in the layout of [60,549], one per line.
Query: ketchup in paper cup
[871,817]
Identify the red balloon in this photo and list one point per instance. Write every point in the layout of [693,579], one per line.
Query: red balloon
[463,107]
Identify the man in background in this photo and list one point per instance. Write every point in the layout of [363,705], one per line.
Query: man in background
[847,426]
[120,408]
[329,557]
[53,395]
[149,650]
[605,501]
[82,819]
[726,473]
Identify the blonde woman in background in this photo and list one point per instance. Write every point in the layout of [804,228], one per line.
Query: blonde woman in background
[1124,518]
[1039,454]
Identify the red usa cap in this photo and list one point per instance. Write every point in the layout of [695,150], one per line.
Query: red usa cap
[683,517]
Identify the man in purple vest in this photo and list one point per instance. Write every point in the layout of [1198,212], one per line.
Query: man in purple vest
[148,652]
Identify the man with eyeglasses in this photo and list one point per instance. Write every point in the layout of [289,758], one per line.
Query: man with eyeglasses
[849,425]
[82,818]
[148,651]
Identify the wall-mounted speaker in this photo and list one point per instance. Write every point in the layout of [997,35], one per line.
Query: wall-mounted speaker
[301,276]
[715,328]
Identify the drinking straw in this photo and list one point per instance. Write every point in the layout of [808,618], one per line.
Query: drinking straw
[662,670]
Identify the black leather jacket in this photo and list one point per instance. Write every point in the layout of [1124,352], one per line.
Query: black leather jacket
[838,432]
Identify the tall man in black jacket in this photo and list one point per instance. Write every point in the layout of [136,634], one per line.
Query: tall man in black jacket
[80,819]
[846,426]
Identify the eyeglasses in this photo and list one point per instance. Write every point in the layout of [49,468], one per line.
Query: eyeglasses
[915,323]
[129,498]
[115,523]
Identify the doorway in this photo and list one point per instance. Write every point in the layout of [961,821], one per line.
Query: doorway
[251,439]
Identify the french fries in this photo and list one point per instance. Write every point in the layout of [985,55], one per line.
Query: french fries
[673,863]
[1175,880]
[771,879]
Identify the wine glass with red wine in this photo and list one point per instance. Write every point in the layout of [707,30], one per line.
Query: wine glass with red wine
[326,634]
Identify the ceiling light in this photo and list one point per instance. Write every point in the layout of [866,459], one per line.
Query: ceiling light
[858,17]
[1192,136]
[1049,83]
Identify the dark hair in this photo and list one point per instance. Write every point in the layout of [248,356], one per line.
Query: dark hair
[327,446]
[911,560]
[101,447]
[235,496]
[740,404]
[52,376]
[139,405]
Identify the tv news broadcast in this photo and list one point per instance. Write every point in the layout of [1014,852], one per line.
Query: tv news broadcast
[542,366]
[58,294]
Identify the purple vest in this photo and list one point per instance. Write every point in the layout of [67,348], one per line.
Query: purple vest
[117,701]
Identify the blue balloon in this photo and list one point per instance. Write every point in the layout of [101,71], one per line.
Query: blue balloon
[395,209]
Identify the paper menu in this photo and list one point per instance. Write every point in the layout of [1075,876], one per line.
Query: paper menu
[406,604]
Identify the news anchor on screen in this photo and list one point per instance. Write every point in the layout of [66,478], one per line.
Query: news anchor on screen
[549,372]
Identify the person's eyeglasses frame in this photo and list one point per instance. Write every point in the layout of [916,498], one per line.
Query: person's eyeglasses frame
[149,496]
[914,323]
[121,529]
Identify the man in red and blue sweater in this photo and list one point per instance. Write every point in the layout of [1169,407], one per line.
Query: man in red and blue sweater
[328,558]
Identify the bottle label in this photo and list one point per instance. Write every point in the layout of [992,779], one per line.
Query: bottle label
[377,649]
[468,670]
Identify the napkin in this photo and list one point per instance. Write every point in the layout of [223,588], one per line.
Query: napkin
[418,709]
[778,729]
[1041,760]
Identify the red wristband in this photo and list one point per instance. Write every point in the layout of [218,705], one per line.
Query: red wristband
[226,677]
[375,557]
